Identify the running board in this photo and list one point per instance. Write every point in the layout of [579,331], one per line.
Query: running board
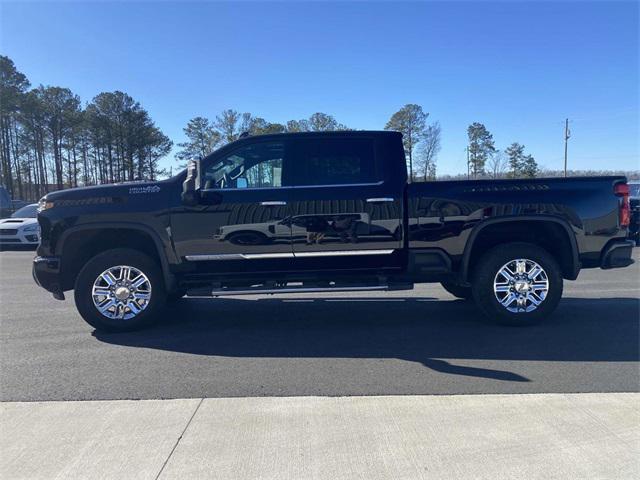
[261,290]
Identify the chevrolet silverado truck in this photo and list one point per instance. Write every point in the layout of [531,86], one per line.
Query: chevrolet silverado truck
[325,212]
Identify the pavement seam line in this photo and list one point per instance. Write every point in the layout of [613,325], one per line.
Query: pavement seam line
[179,438]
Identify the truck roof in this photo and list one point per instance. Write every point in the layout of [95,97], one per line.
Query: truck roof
[331,133]
[324,134]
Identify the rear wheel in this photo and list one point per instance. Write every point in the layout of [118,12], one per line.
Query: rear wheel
[517,284]
[120,290]
[457,290]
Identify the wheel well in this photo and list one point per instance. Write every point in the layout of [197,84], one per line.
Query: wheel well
[79,247]
[551,236]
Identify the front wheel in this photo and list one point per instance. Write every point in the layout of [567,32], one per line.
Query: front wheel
[517,284]
[120,290]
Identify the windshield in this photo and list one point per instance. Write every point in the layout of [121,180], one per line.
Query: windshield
[29,211]
[634,189]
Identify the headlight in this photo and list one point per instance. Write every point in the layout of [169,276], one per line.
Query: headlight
[32,228]
[44,205]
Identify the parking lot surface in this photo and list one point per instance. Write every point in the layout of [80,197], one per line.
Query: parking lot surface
[401,343]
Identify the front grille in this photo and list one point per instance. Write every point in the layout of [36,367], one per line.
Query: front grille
[8,231]
[10,240]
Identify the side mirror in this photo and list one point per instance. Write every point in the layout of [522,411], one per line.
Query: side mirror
[191,185]
[241,182]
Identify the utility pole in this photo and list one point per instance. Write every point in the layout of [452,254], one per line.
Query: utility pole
[567,135]
[468,164]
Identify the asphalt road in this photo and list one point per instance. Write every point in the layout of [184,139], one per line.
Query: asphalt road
[419,342]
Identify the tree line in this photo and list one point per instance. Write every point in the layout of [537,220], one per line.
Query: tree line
[50,140]
[484,160]
[421,140]
[205,135]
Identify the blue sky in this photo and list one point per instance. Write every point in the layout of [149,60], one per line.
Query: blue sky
[518,67]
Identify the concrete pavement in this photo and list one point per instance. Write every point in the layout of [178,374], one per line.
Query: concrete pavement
[539,436]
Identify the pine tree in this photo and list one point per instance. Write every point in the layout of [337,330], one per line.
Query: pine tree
[13,86]
[515,153]
[521,165]
[410,120]
[529,167]
[202,139]
[481,146]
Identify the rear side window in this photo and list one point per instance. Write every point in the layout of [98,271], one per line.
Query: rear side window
[334,161]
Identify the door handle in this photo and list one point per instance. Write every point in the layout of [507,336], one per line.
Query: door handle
[275,203]
[380,200]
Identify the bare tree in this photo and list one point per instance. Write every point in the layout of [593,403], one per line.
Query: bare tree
[321,122]
[428,153]
[497,164]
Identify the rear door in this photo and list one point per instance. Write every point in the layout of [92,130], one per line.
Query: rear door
[343,205]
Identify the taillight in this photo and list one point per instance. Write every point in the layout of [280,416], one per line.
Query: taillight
[622,190]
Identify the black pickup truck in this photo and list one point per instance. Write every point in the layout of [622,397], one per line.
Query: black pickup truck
[324,212]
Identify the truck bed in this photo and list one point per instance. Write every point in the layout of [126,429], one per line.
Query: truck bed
[444,214]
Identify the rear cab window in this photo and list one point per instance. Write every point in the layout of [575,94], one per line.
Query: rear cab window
[334,161]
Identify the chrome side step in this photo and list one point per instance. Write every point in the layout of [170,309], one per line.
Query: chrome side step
[261,290]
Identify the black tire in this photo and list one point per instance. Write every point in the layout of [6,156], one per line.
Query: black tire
[99,264]
[458,291]
[487,269]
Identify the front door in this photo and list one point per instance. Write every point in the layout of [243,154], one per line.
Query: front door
[341,205]
[243,217]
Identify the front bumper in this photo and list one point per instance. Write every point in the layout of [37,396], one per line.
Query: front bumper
[46,273]
[20,238]
[617,255]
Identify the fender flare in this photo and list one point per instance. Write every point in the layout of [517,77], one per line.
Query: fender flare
[575,259]
[157,241]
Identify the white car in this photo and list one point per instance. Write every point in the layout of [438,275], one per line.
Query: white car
[22,228]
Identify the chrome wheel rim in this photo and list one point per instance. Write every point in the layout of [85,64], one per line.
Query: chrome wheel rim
[521,285]
[121,292]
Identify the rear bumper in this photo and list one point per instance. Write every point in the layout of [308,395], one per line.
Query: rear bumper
[617,255]
[46,273]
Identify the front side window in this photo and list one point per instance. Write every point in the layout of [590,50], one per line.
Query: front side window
[335,161]
[258,165]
